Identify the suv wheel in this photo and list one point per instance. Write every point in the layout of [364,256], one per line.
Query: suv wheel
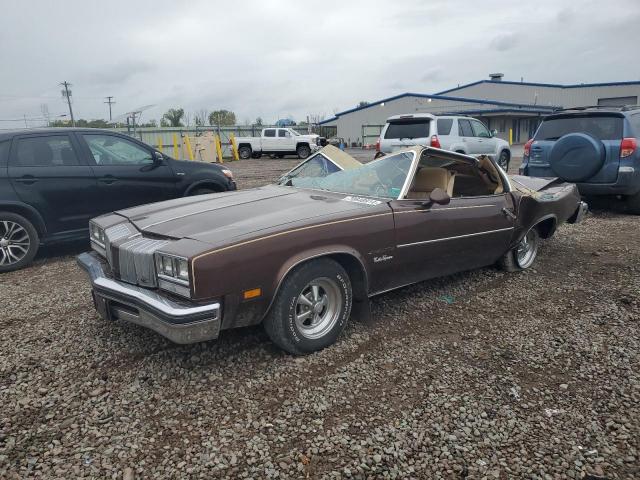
[244,152]
[303,151]
[633,204]
[18,241]
[524,254]
[311,308]
[503,160]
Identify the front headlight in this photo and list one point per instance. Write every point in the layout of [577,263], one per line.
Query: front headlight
[97,237]
[173,274]
[227,173]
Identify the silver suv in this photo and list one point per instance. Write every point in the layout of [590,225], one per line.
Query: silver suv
[449,132]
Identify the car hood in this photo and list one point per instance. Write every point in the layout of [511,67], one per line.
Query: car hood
[223,217]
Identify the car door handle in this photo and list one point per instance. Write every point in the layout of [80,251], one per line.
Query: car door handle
[108,179]
[508,213]
[27,179]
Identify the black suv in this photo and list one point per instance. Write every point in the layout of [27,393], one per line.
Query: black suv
[52,181]
[594,147]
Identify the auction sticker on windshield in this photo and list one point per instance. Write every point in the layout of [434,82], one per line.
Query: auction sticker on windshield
[366,201]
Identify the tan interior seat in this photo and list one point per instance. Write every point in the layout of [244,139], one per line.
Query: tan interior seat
[429,178]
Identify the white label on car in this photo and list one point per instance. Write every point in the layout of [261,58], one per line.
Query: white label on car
[364,200]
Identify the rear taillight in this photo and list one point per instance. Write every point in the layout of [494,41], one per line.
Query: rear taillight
[527,148]
[628,146]
[435,142]
[378,145]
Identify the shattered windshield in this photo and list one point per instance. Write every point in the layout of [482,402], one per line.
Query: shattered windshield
[382,178]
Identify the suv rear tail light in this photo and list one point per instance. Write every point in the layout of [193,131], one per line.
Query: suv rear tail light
[527,148]
[435,142]
[628,146]
[378,145]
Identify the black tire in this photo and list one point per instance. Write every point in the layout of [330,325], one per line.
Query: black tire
[503,160]
[303,151]
[632,204]
[282,324]
[202,191]
[244,152]
[513,262]
[19,242]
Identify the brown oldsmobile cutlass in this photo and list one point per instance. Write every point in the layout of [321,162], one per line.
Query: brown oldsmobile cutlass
[296,256]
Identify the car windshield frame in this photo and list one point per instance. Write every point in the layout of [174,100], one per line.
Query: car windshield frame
[312,183]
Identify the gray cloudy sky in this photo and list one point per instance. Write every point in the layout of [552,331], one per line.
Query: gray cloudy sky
[275,58]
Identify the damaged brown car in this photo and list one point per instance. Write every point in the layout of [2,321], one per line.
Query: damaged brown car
[297,256]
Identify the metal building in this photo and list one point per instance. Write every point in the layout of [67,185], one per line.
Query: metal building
[512,108]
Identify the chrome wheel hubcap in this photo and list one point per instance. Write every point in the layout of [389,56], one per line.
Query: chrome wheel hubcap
[14,242]
[318,307]
[527,249]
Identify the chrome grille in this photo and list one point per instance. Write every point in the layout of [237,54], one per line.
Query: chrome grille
[136,263]
[115,233]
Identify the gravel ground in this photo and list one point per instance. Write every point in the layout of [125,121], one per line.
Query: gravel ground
[478,375]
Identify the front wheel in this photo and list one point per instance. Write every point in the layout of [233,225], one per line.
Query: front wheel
[303,151]
[311,308]
[524,254]
[18,241]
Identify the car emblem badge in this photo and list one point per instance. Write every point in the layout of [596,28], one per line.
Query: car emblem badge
[383,258]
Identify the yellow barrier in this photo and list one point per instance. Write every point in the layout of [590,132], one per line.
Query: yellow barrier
[511,136]
[160,144]
[234,147]
[188,144]
[219,149]
[175,146]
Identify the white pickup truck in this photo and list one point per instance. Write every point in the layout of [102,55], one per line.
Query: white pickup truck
[278,142]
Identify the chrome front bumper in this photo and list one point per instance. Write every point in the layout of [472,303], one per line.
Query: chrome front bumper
[580,213]
[180,322]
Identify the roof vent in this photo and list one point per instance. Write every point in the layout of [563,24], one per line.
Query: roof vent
[496,77]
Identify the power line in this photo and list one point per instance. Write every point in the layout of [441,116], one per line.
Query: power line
[110,103]
[67,94]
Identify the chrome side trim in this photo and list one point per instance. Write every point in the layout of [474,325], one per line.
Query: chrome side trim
[443,239]
[444,209]
[279,234]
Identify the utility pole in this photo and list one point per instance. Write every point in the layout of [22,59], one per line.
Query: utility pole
[67,94]
[109,102]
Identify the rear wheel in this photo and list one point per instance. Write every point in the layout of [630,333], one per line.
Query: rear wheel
[202,191]
[18,241]
[303,151]
[522,255]
[503,160]
[311,308]
[633,204]
[244,152]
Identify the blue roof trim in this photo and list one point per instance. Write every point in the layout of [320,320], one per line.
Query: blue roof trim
[441,97]
[496,110]
[328,120]
[534,84]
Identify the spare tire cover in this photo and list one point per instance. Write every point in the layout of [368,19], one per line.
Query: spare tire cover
[577,157]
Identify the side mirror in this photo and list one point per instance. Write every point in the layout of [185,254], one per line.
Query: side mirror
[494,133]
[438,196]
[157,158]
